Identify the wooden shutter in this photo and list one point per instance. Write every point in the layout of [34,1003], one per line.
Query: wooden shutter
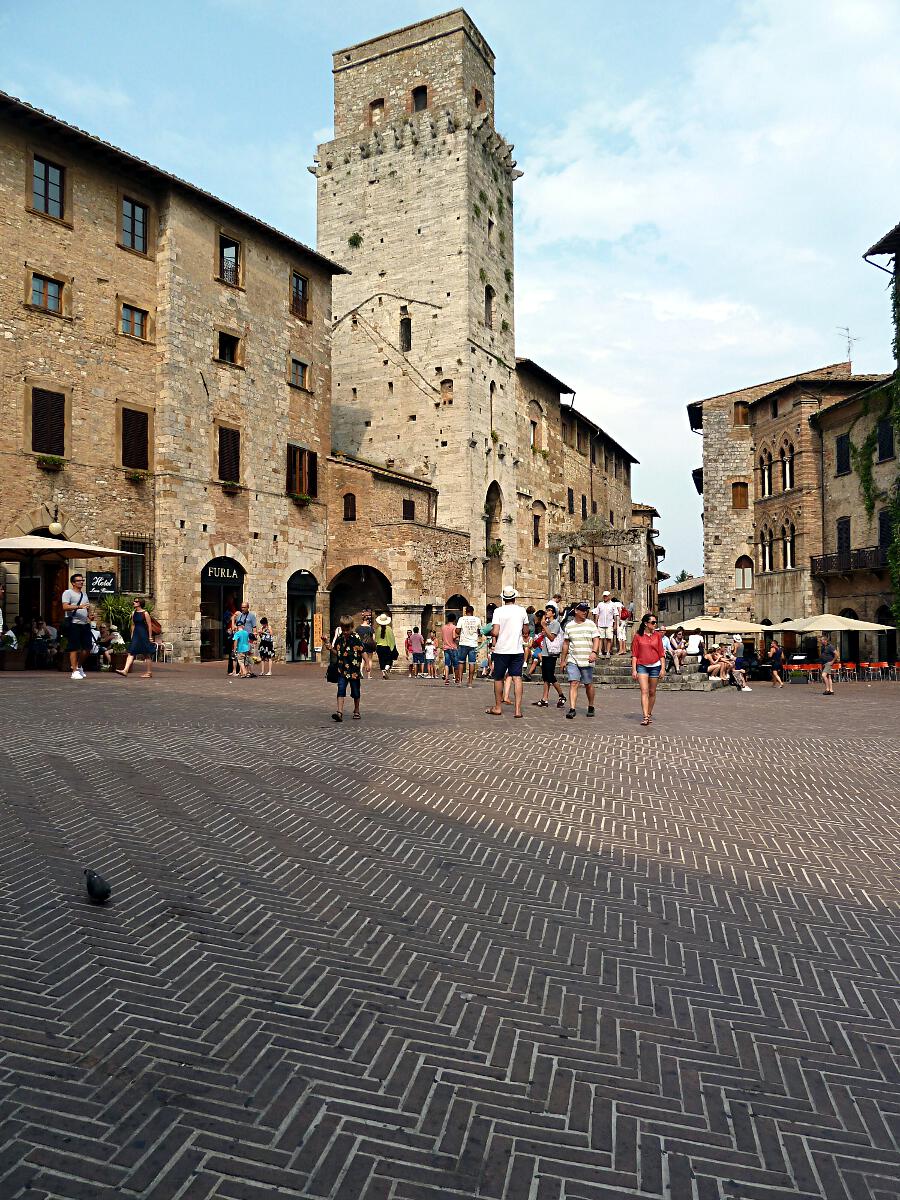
[229,454]
[292,479]
[135,439]
[843,535]
[48,422]
[312,473]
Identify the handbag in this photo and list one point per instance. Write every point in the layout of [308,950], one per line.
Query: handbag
[332,674]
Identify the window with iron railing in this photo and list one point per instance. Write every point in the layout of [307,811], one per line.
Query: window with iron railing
[229,260]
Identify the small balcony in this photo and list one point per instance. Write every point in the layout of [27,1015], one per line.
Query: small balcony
[230,271]
[869,558]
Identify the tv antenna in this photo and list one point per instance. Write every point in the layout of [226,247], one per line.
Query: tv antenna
[851,340]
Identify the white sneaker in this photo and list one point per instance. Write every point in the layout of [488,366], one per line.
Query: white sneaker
[78,674]
[746,689]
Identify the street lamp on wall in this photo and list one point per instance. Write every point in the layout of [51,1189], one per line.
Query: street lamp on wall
[55,527]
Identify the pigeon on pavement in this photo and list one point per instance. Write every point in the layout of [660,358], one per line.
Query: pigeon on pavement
[98,889]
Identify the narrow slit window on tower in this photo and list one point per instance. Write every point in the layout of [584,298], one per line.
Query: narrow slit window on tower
[489,306]
[478,98]
[490,232]
[406,334]
[419,98]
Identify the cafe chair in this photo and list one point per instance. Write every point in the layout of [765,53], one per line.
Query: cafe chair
[847,672]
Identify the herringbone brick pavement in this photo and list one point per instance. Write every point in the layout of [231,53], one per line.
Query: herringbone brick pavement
[430,955]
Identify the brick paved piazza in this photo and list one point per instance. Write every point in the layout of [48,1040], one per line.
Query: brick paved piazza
[432,954]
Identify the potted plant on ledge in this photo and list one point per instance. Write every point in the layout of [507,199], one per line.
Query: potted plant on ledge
[495,549]
[230,487]
[301,499]
[137,476]
[50,462]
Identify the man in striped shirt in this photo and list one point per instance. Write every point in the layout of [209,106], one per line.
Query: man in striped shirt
[580,646]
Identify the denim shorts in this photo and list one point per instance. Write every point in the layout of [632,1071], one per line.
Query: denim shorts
[419,658]
[652,672]
[449,657]
[508,664]
[344,683]
[465,654]
[578,674]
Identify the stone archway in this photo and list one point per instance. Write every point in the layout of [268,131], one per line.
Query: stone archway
[357,588]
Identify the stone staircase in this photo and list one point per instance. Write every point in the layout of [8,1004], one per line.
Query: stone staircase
[615,672]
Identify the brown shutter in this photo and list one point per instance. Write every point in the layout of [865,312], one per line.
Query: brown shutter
[229,455]
[135,439]
[292,486]
[312,473]
[48,422]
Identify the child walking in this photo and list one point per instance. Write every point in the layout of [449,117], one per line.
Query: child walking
[266,648]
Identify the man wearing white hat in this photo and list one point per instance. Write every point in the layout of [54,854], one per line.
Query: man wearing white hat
[605,617]
[509,630]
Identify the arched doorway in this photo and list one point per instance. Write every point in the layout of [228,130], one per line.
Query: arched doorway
[455,604]
[42,583]
[299,642]
[221,592]
[887,642]
[849,639]
[358,588]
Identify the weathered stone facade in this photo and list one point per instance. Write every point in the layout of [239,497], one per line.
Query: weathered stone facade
[175,375]
[681,601]
[415,194]
[785,433]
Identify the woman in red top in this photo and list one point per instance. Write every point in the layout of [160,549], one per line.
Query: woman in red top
[648,663]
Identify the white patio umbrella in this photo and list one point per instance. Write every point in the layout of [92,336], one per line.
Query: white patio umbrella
[33,546]
[828,623]
[718,625]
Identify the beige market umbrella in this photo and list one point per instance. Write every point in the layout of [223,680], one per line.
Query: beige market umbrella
[31,547]
[828,623]
[717,625]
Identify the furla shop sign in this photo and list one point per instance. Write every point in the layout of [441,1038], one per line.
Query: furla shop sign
[222,571]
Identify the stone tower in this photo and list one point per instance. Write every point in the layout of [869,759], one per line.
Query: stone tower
[415,197]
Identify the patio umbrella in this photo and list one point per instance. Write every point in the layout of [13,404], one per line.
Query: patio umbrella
[33,546]
[829,623]
[718,625]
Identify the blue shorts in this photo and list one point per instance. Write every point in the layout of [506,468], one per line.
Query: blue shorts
[419,658]
[578,674]
[449,658]
[508,664]
[653,672]
[465,654]
[79,637]
[344,683]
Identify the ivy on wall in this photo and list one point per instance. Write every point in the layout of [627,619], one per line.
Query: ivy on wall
[862,456]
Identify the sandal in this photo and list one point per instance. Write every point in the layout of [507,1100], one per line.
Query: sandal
[492,712]
[560,703]
[357,717]
[337,717]
[645,721]
[539,704]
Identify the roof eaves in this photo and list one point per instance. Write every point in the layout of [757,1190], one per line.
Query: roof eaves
[14,104]
[536,369]
[889,244]
[348,460]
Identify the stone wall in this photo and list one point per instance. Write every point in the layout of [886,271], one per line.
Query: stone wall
[173,375]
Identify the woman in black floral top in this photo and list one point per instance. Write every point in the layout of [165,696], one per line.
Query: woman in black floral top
[348,652]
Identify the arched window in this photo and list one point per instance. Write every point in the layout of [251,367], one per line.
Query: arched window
[419,98]
[766,551]
[787,467]
[376,111]
[349,507]
[406,334]
[741,413]
[765,474]
[492,392]
[743,573]
[489,294]
[787,547]
[538,511]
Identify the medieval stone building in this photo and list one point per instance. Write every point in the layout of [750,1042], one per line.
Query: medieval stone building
[180,381]
[415,195]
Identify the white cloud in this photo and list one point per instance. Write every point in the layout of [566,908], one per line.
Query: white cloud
[708,234]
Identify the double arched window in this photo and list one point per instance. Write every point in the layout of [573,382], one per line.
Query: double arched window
[786,456]
[743,573]
[788,558]
[765,473]
[767,551]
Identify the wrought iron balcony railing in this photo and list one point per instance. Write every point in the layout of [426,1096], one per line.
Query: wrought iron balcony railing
[869,558]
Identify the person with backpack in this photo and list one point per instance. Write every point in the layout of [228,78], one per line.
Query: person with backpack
[552,648]
[141,645]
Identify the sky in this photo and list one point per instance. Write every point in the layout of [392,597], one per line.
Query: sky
[701,179]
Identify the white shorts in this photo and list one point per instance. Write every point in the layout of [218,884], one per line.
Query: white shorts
[606,632]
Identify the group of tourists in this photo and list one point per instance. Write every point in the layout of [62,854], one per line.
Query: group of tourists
[512,638]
